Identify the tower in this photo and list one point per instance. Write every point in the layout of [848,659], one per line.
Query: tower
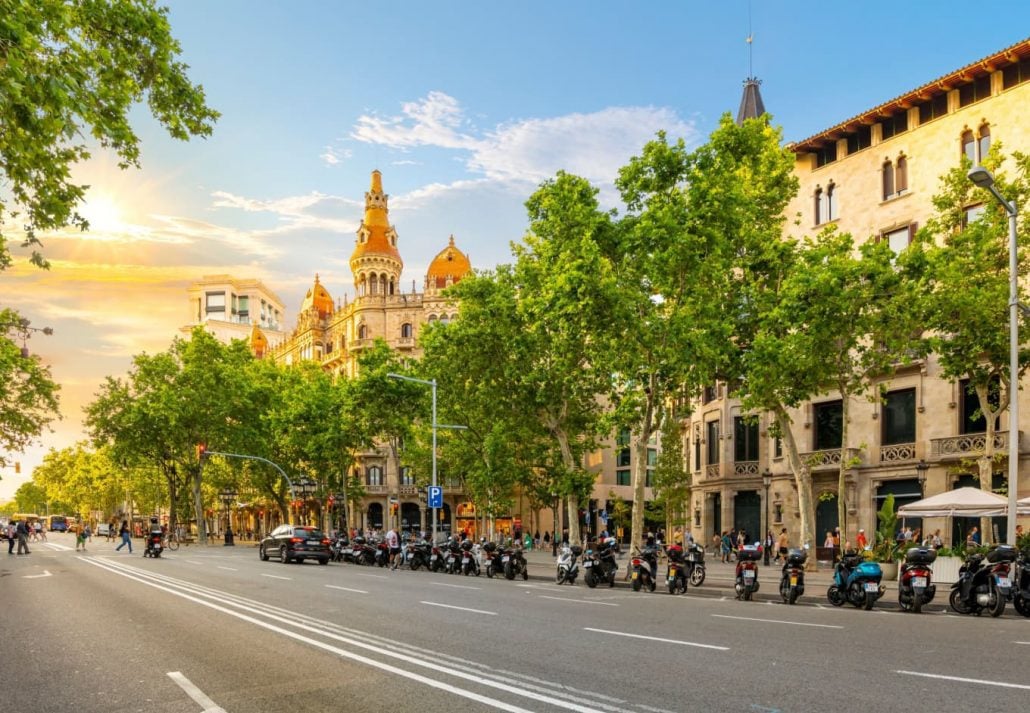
[376,263]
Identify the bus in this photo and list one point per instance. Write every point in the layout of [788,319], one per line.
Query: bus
[56,523]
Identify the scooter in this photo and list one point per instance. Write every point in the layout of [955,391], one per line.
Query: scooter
[856,581]
[746,579]
[568,568]
[644,569]
[914,585]
[154,545]
[1021,584]
[469,559]
[677,575]
[696,561]
[792,581]
[600,565]
[984,586]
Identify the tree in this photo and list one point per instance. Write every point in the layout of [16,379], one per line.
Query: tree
[71,68]
[671,478]
[967,280]
[30,498]
[28,394]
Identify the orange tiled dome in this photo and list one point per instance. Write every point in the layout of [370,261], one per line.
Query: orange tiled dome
[449,263]
[319,298]
[258,342]
[376,236]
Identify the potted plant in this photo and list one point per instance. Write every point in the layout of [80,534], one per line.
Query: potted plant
[885,551]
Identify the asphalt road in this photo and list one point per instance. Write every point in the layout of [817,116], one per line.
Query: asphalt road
[214,629]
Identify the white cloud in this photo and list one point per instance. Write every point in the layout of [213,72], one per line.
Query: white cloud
[333,156]
[432,121]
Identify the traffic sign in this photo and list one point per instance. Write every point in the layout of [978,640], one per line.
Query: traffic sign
[435,496]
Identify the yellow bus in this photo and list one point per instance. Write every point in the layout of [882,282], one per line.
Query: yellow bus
[56,523]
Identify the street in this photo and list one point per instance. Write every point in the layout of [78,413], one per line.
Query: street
[214,629]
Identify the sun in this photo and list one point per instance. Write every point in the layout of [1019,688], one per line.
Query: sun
[103,213]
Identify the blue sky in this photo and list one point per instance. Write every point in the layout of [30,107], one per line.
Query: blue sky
[464,107]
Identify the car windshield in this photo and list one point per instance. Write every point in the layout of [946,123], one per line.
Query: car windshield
[309,532]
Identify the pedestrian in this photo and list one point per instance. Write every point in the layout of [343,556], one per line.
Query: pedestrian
[861,540]
[936,541]
[727,546]
[973,538]
[395,547]
[126,535]
[782,543]
[23,537]
[770,541]
[828,542]
[12,536]
[80,538]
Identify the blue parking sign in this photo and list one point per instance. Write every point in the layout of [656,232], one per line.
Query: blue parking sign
[435,496]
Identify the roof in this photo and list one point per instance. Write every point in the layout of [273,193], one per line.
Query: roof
[449,263]
[319,298]
[751,104]
[986,65]
[380,238]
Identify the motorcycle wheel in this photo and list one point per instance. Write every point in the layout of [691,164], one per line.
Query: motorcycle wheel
[263,554]
[697,576]
[868,602]
[793,596]
[997,607]
[834,596]
[905,605]
[917,604]
[525,574]
[559,578]
[415,564]
[509,571]
[611,579]
[747,594]
[590,579]
[957,603]
[1021,605]
[490,570]
[636,584]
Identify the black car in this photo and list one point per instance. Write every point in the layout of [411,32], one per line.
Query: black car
[295,543]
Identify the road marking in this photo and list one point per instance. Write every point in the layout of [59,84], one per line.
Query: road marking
[578,601]
[965,680]
[347,589]
[231,569]
[449,606]
[276,576]
[195,693]
[1024,643]
[655,638]
[46,573]
[777,621]
[58,547]
[456,586]
[374,576]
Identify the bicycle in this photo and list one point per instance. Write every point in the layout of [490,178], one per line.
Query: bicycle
[171,542]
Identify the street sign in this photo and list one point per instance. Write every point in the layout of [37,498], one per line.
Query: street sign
[435,496]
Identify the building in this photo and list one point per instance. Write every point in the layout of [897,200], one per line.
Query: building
[873,175]
[231,308]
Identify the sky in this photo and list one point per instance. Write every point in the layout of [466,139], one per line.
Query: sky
[465,108]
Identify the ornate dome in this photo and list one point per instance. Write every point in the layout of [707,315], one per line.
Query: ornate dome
[450,263]
[376,237]
[319,298]
[258,342]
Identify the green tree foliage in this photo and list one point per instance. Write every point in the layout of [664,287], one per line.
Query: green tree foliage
[30,498]
[71,69]
[671,479]
[28,394]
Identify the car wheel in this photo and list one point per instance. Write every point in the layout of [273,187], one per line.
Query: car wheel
[284,557]
[323,560]
[263,554]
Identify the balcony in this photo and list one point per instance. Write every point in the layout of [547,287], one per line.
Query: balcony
[405,343]
[897,453]
[358,344]
[712,470]
[955,448]
[376,489]
[829,459]
[745,468]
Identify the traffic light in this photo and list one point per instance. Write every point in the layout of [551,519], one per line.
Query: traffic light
[17,467]
[201,452]
[393,508]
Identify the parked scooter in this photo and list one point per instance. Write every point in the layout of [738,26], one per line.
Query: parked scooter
[514,563]
[417,554]
[677,574]
[340,544]
[492,559]
[914,585]
[792,581]
[746,575]
[469,559]
[568,567]
[452,557]
[696,561]
[856,581]
[599,565]
[983,586]
[644,569]
[1021,583]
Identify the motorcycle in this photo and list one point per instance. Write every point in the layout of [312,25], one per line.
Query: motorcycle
[417,554]
[514,563]
[469,559]
[382,553]
[339,545]
[856,581]
[600,565]
[745,580]
[568,568]
[984,586]
[437,557]
[452,557]
[914,585]
[644,568]
[792,581]
[362,552]
[677,575]
[493,561]
[696,560]
[154,545]
[1021,584]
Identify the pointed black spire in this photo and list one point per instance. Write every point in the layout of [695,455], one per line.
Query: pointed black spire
[751,105]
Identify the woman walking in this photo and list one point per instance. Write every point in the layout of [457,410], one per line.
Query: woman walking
[126,537]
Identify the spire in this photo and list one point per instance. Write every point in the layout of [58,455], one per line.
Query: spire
[751,105]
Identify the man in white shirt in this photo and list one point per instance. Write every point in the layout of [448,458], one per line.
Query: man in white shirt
[393,542]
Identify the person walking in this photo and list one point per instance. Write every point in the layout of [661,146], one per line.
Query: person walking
[860,541]
[80,538]
[782,543]
[126,535]
[23,537]
[727,546]
[395,547]
[12,536]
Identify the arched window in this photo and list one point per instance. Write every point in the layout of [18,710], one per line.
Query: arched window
[362,286]
[888,179]
[363,331]
[968,145]
[375,476]
[984,144]
[406,330]
[373,285]
[831,202]
[820,210]
[901,175]
[432,318]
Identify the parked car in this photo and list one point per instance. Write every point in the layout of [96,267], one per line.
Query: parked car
[104,529]
[295,543]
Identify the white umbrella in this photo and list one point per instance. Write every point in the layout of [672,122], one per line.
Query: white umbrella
[961,502]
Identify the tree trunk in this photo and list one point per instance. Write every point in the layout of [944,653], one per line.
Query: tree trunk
[985,464]
[842,506]
[573,500]
[803,480]
[198,505]
[640,472]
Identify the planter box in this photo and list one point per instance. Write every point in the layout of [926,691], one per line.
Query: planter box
[945,569]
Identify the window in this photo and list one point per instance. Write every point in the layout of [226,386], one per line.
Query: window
[971,418]
[709,394]
[244,309]
[622,477]
[888,180]
[894,125]
[826,154]
[215,303]
[975,91]
[984,144]
[825,204]
[652,463]
[933,109]
[973,213]
[861,139]
[828,425]
[407,476]
[901,175]
[697,450]
[1015,74]
[899,238]
[624,454]
[745,439]
[406,331]
[375,476]
[976,148]
[363,331]
[712,438]
[899,417]
[777,447]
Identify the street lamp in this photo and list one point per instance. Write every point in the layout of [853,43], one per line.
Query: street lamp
[228,496]
[766,482]
[431,383]
[306,486]
[921,467]
[982,178]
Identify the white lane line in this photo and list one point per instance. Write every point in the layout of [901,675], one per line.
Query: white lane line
[655,638]
[449,606]
[194,562]
[231,569]
[374,576]
[1024,643]
[347,589]
[965,680]
[778,621]
[195,693]
[46,573]
[578,601]
[456,586]
[58,547]
[276,576]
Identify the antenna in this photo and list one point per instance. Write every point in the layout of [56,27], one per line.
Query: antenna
[750,43]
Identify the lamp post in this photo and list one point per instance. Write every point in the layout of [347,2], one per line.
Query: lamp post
[306,486]
[766,482]
[340,501]
[921,467]
[982,178]
[228,495]
[431,383]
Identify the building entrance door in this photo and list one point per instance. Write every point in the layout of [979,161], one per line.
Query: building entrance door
[747,515]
